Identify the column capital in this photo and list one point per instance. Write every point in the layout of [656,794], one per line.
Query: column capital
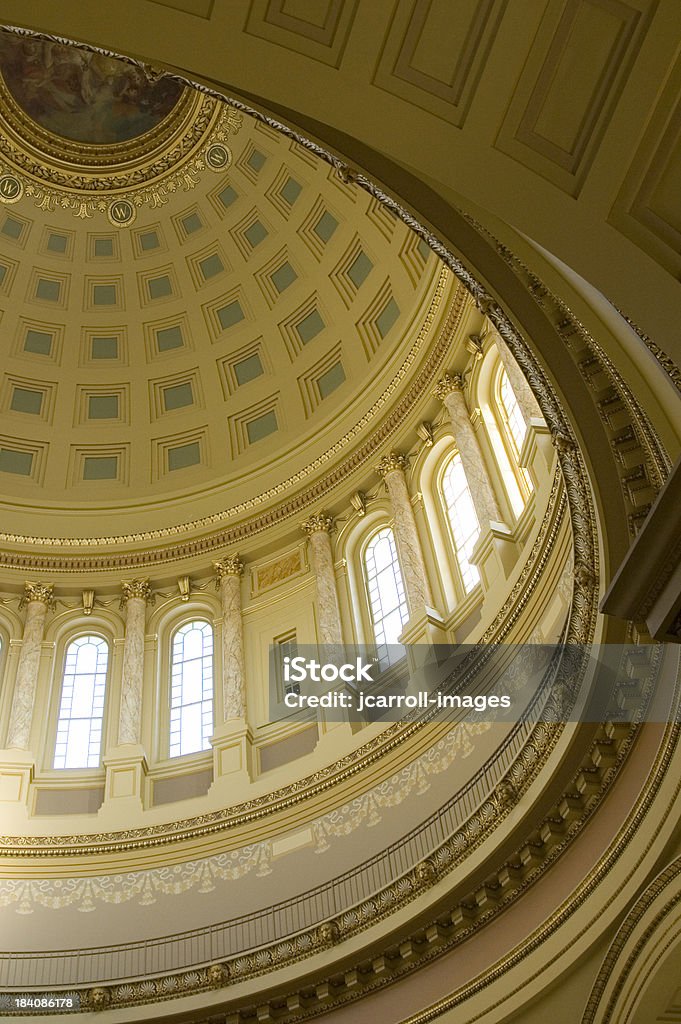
[391,462]
[447,384]
[42,592]
[136,588]
[318,522]
[230,565]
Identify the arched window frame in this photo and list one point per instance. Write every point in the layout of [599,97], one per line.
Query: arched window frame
[162,623]
[169,719]
[69,641]
[381,646]
[508,430]
[468,575]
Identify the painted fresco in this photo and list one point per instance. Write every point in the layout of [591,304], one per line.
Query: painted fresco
[82,96]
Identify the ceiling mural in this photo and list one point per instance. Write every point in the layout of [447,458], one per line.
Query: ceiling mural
[83,96]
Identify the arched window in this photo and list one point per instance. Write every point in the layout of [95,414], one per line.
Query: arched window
[514,429]
[389,611]
[81,708]
[511,414]
[191,688]
[463,522]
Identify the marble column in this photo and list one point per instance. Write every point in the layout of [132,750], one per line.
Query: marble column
[450,391]
[392,468]
[232,740]
[37,598]
[318,528]
[527,403]
[228,573]
[136,593]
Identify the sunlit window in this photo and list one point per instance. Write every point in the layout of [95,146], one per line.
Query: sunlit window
[81,709]
[512,414]
[389,611]
[191,689]
[463,522]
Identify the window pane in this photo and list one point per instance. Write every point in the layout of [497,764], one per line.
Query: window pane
[512,414]
[389,610]
[81,709]
[463,521]
[191,695]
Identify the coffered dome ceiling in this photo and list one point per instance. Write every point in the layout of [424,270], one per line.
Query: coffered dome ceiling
[195,307]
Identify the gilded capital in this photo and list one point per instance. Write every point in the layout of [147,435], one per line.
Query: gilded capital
[319,522]
[38,592]
[450,382]
[390,463]
[230,565]
[136,588]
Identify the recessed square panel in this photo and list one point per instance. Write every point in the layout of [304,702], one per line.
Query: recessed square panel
[184,455]
[160,287]
[191,223]
[39,342]
[211,266]
[26,400]
[332,379]
[3,272]
[177,396]
[248,369]
[104,247]
[12,461]
[291,190]
[104,294]
[255,234]
[168,338]
[148,241]
[261,427]
[325,226]
[11,227]
[256,160]
[283,277]
[56,243]
[105,348]
[47,290]
[230,314]
[360,269]
[424,249]
[387,318]
[100,467]
[103,407]
[310,326]
[227,196]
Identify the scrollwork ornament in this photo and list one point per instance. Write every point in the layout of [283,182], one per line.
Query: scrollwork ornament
[139,589]
[447,384]
[230,565]
[42,592]
[318,522]
[391,463]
